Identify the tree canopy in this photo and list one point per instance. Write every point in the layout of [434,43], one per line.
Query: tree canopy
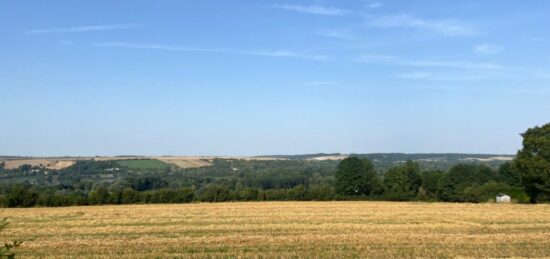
[533,163]
[355,176]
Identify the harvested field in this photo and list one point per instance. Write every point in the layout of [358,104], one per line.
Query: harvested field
[283,229]
[323,158]
[47,163]
[186,162]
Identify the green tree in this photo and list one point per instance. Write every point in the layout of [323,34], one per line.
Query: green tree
[355,176]
[429,187]
[185,194]
[533,163]
[21,196]
[129,195]
[249,194]
[509,174]
[99,195]
[452,185]
[488,191]
[402,182]
[215,193]
[320,193]
[297,193]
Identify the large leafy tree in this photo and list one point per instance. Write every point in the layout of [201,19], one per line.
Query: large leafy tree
[509,174]
[402,182]
[533,163]
[355,176]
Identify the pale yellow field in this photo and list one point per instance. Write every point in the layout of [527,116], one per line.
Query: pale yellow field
[47,163]
[284,229]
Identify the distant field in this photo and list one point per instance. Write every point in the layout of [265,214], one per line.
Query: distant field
[143,164]
[186,162]
[47,163]
[283,229]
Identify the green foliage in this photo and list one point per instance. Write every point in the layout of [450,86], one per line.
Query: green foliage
[355,176]
[215,193]
[402,182]
[533,163]
[509,174]
[129,195]
[99,195]
[249,194]
[21,196]
[429,188]
[453,184]
[488,191]
[321,193]
[297,193]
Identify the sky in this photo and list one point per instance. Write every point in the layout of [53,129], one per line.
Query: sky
[206,77]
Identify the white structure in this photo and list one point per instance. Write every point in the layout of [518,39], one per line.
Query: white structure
[503,198]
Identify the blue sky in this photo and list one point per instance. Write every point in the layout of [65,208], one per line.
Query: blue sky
[271,77]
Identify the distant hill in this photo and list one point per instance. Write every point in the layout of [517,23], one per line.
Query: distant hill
[442,161]
[382,161]
[299,157]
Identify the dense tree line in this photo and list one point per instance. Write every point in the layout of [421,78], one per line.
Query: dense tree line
[526,179]
[355,178]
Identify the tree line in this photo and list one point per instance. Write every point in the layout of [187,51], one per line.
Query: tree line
[526,179]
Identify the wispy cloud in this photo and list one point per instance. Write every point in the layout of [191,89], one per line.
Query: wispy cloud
[266,53]
[434,77]
[88,28]
[314,9]
[373,4]
[488,49]
[391,60]
[337,34]
[446,27]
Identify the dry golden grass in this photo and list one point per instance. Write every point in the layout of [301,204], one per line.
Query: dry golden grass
[284,229]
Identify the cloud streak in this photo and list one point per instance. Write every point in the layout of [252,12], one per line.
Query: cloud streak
[434,77]
[314,9]
[373,5]
[336,34]
[89,28]
[391,60]
[445,27]
[488,49]
[265,53]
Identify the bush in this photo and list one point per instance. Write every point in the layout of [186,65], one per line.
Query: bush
[321,193]
[215,193]
[489,190]
[249,194]
[21,196]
